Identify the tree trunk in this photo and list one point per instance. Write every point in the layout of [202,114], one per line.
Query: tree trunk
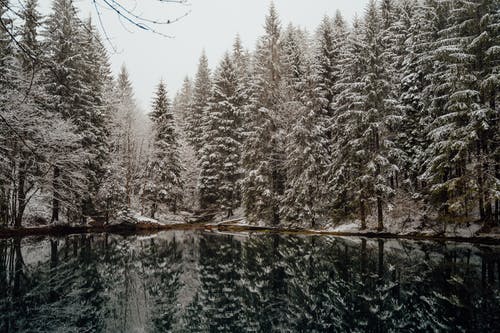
[174,207]
[380,213]
[480,181]
[21,195]
[56,196]
[153,210]
[362,214]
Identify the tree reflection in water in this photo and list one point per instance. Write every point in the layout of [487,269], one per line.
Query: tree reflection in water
[197,282]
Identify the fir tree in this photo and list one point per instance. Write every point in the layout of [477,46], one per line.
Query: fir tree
[191,169]
[307,140]
[96,77]
[63,74]
[416,62]
[164,186]
[220,162]
[452,104]
[346,180]
[263,154]
[201,94]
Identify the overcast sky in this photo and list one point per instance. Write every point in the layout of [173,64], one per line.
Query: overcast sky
[211,24]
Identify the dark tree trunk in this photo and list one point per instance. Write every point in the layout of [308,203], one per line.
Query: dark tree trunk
[380,215]
[21,195]
[174,207]
[362,214]
[153,210]
[56,196]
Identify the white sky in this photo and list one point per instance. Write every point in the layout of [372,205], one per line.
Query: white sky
[211,24]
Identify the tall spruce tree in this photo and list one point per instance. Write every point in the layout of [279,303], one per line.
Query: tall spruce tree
[459,159]
[191,170]
[306,142]
[96,77]
[418,21]
[346,181]
[453,102]
[201,93]
[164,185]
[69,98]
[263,154]
[220,156]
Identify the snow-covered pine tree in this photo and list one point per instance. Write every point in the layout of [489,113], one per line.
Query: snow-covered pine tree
[346,183]
[164,184]
[329,58]
[454,105]
[367,111]
[417,20]
[241,60]
[331,38]
[9,92]
[221,153]
[124,143]
[306,142]
[201,93]
[32,20]
[64,67]
[30,166]
[191,170]
[96,78]
[482,41]
[463,128]
[183,101]
[380,115]
[263,183]
[395,21]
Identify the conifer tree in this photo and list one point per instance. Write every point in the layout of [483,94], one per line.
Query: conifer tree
[164,184]
[68,97]
[241,61]
[96,77]
[416,62]
[346,180]
[452,102]
[331,38]
[482,41]
[263,154]
[201,94]
[366,123]
[306,142]
[124,137]
[191,170]
[462,116]
[220,161]
[30,165]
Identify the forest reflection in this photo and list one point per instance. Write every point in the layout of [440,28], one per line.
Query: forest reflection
[199,282]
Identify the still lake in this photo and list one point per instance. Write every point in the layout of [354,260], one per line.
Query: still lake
[191,281]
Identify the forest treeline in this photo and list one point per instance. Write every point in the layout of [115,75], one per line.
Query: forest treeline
[337,123]
[73,143]
[306,128]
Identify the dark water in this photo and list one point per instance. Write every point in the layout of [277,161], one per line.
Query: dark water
[197,282]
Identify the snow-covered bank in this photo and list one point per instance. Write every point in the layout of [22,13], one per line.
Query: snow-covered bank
[134,223]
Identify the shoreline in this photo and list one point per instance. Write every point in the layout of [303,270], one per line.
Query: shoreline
[151,228]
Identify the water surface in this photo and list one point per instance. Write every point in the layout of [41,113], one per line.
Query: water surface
[187,281]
